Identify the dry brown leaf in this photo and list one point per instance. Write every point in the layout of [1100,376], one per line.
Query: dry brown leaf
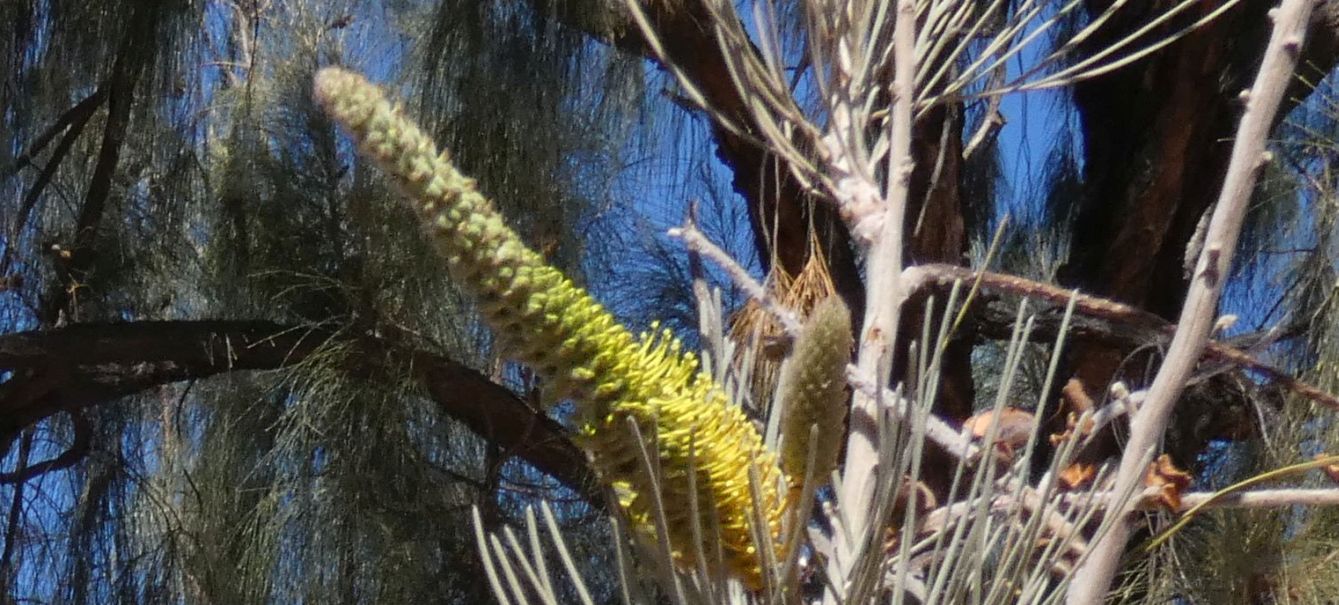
[1169,481]
[919,494]
[1076,397]
[1015,428]
[1078,475]
[1073,430]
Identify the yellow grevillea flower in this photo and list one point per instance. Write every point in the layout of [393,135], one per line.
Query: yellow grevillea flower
[541,318]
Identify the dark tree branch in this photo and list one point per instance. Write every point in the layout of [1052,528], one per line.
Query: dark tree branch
[74,117]
[7,574]
[133,56]
[1125,326]
[780,211]
[69,457]
[92,364]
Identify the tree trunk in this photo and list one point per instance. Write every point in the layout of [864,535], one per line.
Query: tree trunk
[1156,139]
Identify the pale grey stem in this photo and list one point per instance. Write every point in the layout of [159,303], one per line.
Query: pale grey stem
[1148,501]
[941,518]
[1111,412]
[886,293]
[696,241]
[1262,498]
[1093,578]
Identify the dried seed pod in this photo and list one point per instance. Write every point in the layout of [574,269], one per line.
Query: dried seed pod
[542,319]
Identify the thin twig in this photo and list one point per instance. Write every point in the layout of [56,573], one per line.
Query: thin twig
[944,516]
[1263,498]
[957,443]
[697,242]
[943,275]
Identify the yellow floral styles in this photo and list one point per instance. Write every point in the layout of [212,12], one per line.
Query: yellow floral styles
[582,353]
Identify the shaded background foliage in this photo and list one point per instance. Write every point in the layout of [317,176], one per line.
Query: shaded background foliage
[231,198]
[162,161]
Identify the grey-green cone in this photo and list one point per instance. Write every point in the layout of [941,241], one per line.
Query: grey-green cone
[814,380]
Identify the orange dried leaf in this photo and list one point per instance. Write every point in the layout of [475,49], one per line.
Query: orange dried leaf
[918,494]
[1078,475]
[1015,427]
[1169,481]
[1073,430]
[1076,397]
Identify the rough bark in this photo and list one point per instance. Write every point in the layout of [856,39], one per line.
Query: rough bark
[1156,137]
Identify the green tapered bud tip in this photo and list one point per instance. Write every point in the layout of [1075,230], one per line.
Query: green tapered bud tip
[815,391]
[345,94]
[329,79]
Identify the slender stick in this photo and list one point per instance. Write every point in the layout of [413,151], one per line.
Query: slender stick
[1264,498]
[1093,578]
[697,241]
[939,518]
[920,276]
[955,442]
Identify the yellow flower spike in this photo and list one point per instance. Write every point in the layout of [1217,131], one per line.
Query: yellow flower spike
[579,350]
